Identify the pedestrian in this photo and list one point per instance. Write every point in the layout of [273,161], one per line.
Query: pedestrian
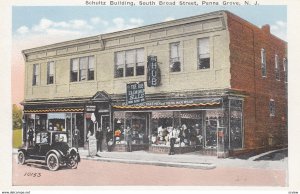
[129,139]
[30,134]
[109,139]
[99,137]
[172,136]
[76,138]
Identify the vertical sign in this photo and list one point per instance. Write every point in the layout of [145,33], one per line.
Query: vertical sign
[135,93]
[153,73]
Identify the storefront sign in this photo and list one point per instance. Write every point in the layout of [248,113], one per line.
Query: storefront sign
[135,93]
[90,108]
[153,73]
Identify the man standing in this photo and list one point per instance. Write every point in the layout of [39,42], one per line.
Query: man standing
[128,136]
[76,138]
[172,137]
[99,137]
[30,134]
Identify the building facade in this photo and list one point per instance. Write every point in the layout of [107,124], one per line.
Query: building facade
[220,82]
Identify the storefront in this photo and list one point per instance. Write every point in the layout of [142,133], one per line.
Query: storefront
[200,124]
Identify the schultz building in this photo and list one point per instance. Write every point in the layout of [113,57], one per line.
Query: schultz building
[220,80]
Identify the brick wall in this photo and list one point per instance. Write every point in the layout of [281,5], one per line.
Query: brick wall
[246,42]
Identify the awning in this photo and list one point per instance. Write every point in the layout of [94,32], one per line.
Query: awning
[53,110]
[190,103]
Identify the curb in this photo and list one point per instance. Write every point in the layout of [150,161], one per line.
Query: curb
[204,166]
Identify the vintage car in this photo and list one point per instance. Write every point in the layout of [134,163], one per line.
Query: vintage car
[50,147]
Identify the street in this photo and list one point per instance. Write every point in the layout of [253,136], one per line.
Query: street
[99,173]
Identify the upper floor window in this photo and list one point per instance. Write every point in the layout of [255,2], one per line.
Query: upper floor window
[285,69]
[36,75]
[272,107]
[203,53]
[50,72]
[277,72]
[175,65]
[129,63]
[82,69]
[263,63]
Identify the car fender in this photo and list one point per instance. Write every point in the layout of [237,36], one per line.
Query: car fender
[57,152]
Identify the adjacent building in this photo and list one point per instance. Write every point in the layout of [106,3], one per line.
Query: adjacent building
[219,80]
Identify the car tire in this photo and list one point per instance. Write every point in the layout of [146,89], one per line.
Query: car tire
[21,158]
[52,162]
[72,164]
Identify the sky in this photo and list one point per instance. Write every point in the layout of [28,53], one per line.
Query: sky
[34,26]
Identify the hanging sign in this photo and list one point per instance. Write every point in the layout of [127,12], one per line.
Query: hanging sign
[153,72]
[135,93]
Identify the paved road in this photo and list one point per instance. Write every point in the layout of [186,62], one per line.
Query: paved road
[100,173]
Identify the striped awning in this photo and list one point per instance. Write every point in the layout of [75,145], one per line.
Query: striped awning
[171,104]
[53,110]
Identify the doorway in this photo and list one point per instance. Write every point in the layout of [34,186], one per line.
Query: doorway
[104,123]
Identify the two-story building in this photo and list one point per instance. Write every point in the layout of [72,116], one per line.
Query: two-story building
[222,84]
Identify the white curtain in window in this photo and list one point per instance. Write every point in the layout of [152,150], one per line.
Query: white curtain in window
[36,69]
[263,56]
[83,62]
[91,63]
[75,65]
[140,57]
[204,47]
[276,61]
[130,58]
[51,68]
[120,58]
[174,50]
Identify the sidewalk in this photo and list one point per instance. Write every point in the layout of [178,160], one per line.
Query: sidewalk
[189,160]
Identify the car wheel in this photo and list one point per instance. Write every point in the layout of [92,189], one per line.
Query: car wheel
[72,163]
[52,162]
[21,158]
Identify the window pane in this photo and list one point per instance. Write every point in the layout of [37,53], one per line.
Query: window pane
[130,57]
[140,70]
[140,56]
[236,126]
[263,63]
[91,68]
[74,70]
[204,55]
[83,62]
[129,71]
[91,63]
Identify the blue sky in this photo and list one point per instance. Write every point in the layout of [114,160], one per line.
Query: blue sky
[80,21]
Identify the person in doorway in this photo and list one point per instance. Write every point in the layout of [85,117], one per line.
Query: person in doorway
[172,136]
[129,139]
[76,138]
[99,137]
[109,139]
[30,134]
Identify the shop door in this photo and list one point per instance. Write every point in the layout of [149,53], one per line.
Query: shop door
[211,132]
[104,122]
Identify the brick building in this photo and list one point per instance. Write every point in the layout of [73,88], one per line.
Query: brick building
[216,80]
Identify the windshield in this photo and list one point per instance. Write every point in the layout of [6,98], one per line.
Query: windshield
[60,137]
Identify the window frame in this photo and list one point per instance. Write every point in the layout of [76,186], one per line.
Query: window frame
[123,65]
[277,69]
[173,60]
[199,53]
[263,62]
[48,72]
[272,108]
[36,74]
[285,69]
[85,68]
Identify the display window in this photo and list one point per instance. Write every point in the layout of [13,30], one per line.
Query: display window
[236,124]
[56,121]
[213,121]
